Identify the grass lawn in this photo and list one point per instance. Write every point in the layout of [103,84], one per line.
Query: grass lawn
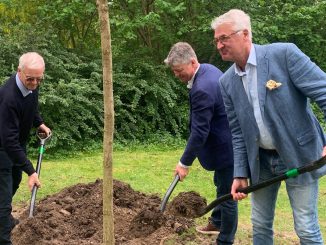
[150,170]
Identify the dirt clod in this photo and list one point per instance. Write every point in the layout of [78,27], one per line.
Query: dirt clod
[147,221]
[187,204]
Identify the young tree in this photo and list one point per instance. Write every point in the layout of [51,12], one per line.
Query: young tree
[108,221]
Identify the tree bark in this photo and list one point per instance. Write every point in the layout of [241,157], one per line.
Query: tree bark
[108,220]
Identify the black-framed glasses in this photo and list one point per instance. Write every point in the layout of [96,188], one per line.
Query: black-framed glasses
[32,79]
[224,38]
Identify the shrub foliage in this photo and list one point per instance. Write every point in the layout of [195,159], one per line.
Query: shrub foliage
[149,102]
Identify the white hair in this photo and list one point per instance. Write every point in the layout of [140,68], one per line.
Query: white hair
[180,53]
[31,60]
[237,18]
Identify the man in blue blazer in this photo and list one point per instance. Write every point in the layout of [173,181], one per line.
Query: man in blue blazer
[210,137]
[266,94]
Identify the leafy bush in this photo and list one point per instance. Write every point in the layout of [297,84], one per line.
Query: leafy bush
[150,105]
[147,99]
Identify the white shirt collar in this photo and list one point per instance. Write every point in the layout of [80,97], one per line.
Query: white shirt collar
[191,81]
[252,60]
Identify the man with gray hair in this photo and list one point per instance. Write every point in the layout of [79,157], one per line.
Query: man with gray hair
[18,114]
[274,130]
[210,136]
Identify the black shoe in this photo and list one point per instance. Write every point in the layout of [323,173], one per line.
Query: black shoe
[13,222]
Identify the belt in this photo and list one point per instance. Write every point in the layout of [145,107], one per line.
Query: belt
[269,151]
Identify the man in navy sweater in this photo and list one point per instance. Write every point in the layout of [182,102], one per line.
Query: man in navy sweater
[210,137]
[18,114]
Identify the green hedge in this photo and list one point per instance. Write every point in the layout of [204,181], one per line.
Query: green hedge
[148,100]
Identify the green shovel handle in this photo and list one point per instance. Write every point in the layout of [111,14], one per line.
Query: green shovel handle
[292,173]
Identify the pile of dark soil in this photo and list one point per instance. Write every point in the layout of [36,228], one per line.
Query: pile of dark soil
[74,216]
[187,204]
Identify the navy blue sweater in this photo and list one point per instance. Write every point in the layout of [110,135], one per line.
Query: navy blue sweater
[18,114]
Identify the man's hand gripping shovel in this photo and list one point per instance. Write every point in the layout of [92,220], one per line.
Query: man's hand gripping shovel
[43,138]
[292,173]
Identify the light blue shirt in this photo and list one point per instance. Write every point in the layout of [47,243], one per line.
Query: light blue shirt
[22,88]
[249,79]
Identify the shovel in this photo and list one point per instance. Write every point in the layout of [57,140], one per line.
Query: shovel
[292,173]
[43,138]
[168,192]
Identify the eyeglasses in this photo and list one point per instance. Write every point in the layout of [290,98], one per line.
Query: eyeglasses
[32,79]
[224,38]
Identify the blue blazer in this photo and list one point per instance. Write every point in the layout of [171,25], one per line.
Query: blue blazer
[210,136]
[297,135]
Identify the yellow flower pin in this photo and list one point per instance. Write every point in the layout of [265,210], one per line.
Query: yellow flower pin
[271,84]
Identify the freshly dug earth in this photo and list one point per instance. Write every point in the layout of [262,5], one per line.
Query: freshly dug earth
[74,216]
[187,204]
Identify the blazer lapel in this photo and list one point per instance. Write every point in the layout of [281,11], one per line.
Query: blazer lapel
[262,75]
[240,92]
[241,97]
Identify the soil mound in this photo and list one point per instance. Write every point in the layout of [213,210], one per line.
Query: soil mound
[187,204]
[74,216]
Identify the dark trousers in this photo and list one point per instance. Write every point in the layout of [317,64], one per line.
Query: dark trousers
[10,178]
[225,215]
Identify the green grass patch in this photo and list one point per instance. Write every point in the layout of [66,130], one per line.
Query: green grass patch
[150,170]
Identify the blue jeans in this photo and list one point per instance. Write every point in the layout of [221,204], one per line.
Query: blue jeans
[303,200]
[10,177]
[225,215]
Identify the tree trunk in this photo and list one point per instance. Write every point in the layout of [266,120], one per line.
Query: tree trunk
[108,221]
